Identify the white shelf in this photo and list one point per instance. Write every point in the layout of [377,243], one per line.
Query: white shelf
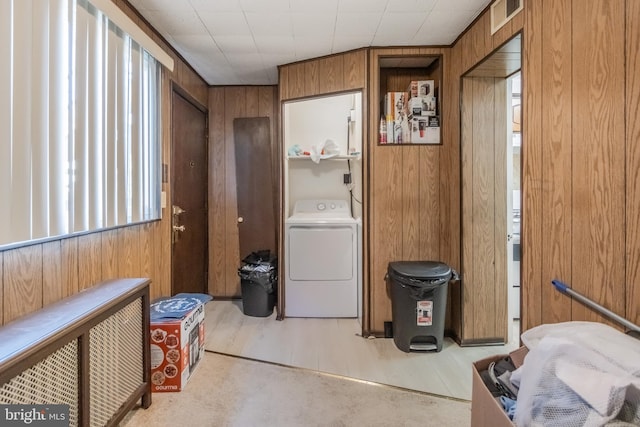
[304,157]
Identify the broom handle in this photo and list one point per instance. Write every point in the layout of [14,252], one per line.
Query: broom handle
[586,301]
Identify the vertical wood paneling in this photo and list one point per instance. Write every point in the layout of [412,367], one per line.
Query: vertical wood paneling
[428,208]
[217,173]
[145,259]
[532,172]
[598,174]
[387,228]
[311,78]
[295,81]
[330,70]
[22,281]
[450,187]
[234,107]
[632,91]
[53,287]
[556,157]
[410,202]
[354,69]
[404,186]
[500,327]
[283,81]
[252,101]
[129,259]
[90,260]
[500,36]
[191,82]
[225,105]
[109,248]
[483,202]
[468,260]
[69,260]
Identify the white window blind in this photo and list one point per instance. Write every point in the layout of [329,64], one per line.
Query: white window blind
[80,122]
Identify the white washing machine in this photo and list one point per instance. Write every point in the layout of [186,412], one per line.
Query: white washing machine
[322,253]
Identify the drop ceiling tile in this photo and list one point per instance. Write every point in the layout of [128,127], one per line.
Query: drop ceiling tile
[275,44]
[342,44]
[398,28]
[160,5]
[236,44]
[362,5]
[216,6]
[313,24]
[225,23]
[274,59]
[270,6]
[197,44]
[181,22]
[358,24]
[244,60]
[452,6]
[269,24]
[253,76]
[313,5]
[415,6]
[311,47]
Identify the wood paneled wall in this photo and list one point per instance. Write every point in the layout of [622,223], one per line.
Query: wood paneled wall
[225,105]
[317,77]
[580,155]
[34,276]
[574,159]
[484,209]
[414,197]
[324,75]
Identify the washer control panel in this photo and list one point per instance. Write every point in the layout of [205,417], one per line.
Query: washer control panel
[322,206]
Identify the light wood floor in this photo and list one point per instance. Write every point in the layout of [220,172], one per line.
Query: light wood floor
[335,346]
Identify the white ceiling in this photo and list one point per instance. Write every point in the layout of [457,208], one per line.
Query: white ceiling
[241,42]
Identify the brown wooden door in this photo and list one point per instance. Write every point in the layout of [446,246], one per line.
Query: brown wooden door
[189,194]
[254,182]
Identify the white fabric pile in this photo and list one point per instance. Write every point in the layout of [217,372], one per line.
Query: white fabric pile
[578,374]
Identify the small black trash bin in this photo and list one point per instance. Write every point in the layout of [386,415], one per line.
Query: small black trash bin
[418,303]
[258,282]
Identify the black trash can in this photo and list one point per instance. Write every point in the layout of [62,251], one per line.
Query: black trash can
[258,282]
[418,303]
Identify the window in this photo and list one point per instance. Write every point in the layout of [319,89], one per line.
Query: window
[80,138]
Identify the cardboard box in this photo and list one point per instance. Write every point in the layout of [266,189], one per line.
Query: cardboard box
[421,88]
[177,345]
[396,107]
[419,131]
[486,411]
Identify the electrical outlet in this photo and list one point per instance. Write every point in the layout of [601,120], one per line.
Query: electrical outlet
[346,178]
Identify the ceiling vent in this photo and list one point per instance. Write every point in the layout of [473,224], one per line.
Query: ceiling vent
[502,11]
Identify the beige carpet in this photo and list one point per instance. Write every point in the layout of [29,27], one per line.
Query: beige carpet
[229,391]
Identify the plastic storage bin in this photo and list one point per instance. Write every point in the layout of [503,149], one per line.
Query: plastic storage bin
[418,303]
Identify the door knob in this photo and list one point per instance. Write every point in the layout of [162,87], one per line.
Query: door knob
[240,219]
[178,228]
[177,210]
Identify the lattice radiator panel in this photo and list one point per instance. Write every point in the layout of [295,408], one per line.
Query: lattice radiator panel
[51,381]
[115,362]
[89,351]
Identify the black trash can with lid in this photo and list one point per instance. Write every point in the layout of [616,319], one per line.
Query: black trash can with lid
[258,282]
[418,303]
